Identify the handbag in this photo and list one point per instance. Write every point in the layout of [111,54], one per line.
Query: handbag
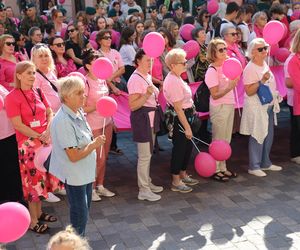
[264,94]
[170,115]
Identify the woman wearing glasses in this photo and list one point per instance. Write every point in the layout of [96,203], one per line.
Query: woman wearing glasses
[76,44]
[8,61]
[259,20]
[204,19]
[63,63]
[20,51]
[179,96]
[221,103]
[58,21]
[257,119]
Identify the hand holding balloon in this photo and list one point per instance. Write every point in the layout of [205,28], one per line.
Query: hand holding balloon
[99,141]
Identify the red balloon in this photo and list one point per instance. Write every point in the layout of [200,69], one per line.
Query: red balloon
[212,7]
[14,222]
[186,31]
[154,44]
[1,103]
[232,68]
[220,150]
[205,164]
[191,48]
[102,68]
[282,54]
[106,106]
[273,32]
[61,1]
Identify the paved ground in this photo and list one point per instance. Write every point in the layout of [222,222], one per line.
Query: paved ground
[246,213]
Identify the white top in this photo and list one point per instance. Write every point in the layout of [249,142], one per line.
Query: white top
[127,52]
[251,37]
[245,30]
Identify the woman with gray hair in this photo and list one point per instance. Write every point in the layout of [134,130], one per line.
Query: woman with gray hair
[257,118]
[259,20]
[73,158]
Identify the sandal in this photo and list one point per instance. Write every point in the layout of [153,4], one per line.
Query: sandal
[229,174]
[220,177]
[116,151]
[40,228]
[47,217]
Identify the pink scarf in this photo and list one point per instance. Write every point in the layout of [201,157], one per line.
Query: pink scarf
[258,31]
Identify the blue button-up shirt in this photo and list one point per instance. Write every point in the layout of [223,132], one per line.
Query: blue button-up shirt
[71,130]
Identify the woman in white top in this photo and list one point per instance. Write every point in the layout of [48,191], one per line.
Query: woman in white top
[257,119]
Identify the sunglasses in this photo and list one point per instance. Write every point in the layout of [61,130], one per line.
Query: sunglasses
[10,43]
[60,44]
[207,16]
[106,37]
[222,50]
[71,30]
[262,48]
[183,63]
[233,34]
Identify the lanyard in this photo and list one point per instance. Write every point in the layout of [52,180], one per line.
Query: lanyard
[33,110]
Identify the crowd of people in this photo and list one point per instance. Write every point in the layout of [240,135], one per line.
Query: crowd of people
[47,106]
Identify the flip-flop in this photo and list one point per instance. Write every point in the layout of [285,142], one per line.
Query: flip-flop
[231,175]
[40,228]
[220,177]
[47,217]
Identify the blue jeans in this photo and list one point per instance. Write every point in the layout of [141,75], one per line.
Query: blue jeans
[259,154]
[79,198]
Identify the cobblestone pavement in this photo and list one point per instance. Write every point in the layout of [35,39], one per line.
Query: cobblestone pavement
[246,213]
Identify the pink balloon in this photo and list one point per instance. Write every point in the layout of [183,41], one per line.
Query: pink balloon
[61,1]
[296,14]
[102,68]
[273,32]
[212,7]
[285,30]
[41,156]
[191,48]
[106,106]
[205,164]
[45,19]
[220,150]
[14,222]
[282,54]
[154,44]
[93,35]
[1,103]
[63,32]
[186,31]
[79,74]
[81,70]
[94,44]
[232,68]
[273,49]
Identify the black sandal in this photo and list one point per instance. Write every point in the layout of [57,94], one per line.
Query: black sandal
[47,217]
[220,177]
[231,175]
[40,228]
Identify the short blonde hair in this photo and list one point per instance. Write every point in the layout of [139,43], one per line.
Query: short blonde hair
[68,85]
[252,45]
[295,47]
[20,68]
[3,39]
[68,237]
[174,56]
[40,49]
[212,49]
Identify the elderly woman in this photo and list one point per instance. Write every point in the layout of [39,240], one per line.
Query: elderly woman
[221,103]
[257,119]
[73,158]
[259,20]
[293,72]
[143,104]
[179,96]
[31,116]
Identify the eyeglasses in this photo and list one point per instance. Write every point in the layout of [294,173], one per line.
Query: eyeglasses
[60,44]
[222,50]
[10,43]
[263,48]
[106,37]
[38,34]
[233,33]
[207,16]
[71,30]
[182,63]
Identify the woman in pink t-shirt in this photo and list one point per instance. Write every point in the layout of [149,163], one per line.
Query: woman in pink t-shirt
[31,116]
[179,96]
[95,89]
[143,104]
[221,104]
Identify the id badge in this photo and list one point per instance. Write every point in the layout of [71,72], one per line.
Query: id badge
[35,124]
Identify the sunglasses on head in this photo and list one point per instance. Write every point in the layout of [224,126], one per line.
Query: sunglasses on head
[222,50]
[60,44]
[262,48]
[40,45]
[10,43]
[106,37]
[71,30]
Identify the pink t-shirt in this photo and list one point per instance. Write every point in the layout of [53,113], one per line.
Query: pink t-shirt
[7,73]
[157,69]
[6,128]
[175,90]
[138,84]
[115,57]
[95,89]
[64,70]
[17,105]
[290,92]
[45,86]
[215,77]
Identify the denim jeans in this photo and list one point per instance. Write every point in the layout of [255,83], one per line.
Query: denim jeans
[79,198]
[259,154]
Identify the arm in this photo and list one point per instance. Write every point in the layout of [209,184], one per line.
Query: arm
[157,81]
[71,54]
[45,136]
[216,93]
[251,89]
[118,73]
[288,83]
[136,101]
[22,128]
[181,116]
[294,71]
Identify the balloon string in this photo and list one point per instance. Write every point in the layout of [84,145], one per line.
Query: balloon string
[182,131]
[269,55]
[101,149]
[237,99]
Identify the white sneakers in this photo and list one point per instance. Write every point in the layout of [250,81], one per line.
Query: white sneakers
[261,173]
[101,191]
[155,189]
[52,198]
[296,160]
[95,196]
[148,195]
[62,192]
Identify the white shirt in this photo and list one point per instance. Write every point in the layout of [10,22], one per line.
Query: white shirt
[127,52]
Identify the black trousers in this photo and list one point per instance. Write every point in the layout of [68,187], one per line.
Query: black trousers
[295,134]
[181,151]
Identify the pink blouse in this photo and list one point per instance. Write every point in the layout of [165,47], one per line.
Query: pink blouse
[63,70]
[6,128]
[7,73]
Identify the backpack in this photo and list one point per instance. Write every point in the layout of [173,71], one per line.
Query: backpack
[218,29]
[201,97]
